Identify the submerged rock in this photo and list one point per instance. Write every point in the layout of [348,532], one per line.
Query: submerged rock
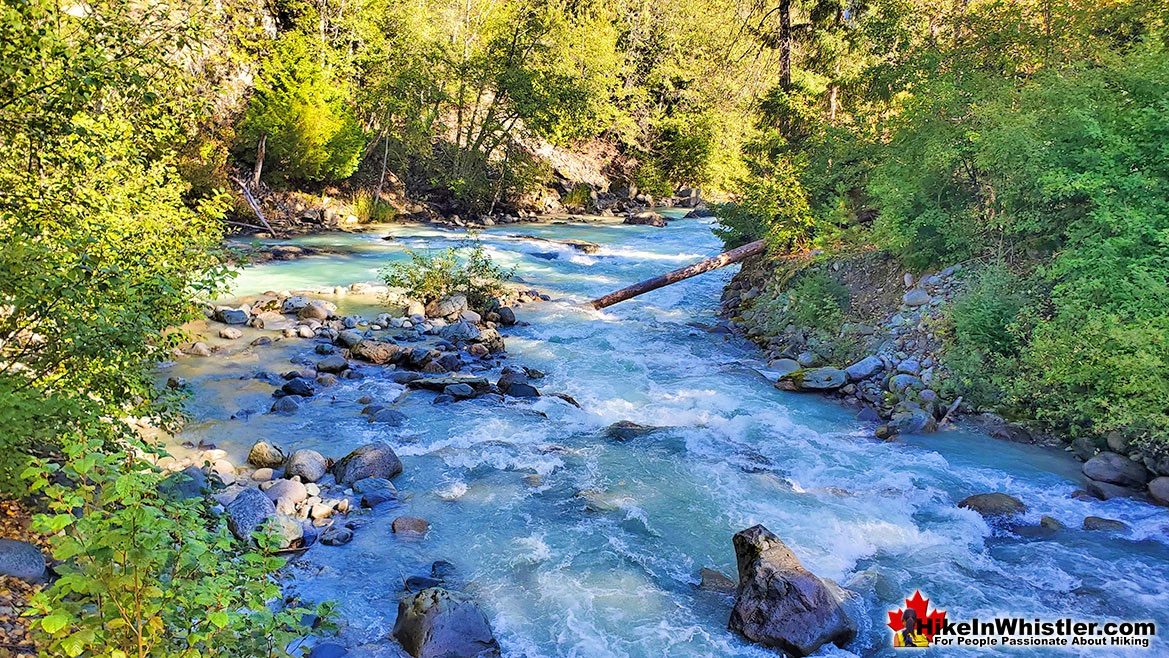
[715,581]
[646,218]
[994,505]
[439,384]
[441,623]
[410,525]
[1100,523]
[782,605]
[624,430]
[514,382]
[370,460]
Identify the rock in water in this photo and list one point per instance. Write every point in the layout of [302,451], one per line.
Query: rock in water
[441,623]
[646,218]
[1115,469]
[20,559]
[250,509]
[370,460]
[375,351]
[994,505]
[813,379]
[782,605]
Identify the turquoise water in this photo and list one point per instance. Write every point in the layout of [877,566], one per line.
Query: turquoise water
[599,556]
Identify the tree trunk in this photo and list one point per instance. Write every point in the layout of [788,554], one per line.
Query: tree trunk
[260,149]
[722,260]
[785,44]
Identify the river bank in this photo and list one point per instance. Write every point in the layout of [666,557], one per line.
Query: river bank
[575,539]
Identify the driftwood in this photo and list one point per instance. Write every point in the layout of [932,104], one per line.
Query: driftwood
[255,206]
[722,260]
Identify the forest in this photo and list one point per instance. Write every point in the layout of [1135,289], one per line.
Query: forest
[1027,140]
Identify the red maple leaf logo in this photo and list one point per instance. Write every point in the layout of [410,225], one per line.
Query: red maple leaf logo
[928,621]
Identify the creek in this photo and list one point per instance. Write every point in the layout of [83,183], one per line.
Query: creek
[576,544]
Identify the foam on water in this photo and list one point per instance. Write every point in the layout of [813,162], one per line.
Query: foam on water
[597,556]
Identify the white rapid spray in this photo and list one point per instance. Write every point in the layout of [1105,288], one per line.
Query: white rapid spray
[579,545]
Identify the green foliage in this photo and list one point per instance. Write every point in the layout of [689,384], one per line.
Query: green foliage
[302,112]
[430,277]
[818,300]
[101,251]
[368,208]
[771,206]
[579,197]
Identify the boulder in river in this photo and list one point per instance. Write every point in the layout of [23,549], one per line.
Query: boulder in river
[301,386]
[287,404]
[1159,490]
[1103,524]
[782,605]
[266,455]
[865,368]
[994,505]
[514,382]
[228,315]
[317,310]
[250,509]
[333,364]
[715,581]
[624,430]
[377,352]
[813,379]
[1116,469]
[370,460]
[646,218]
[390,417]
[442,623]
[447,306]
[20,559]
[410,525]
[460,331]
[439,384]
[310,465]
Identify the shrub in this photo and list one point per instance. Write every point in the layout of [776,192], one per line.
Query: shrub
[818,300]
[772,207]
[428,277]
[370,209]
[304,116]
[579,197]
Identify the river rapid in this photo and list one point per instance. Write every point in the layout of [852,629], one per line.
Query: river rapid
[576,544]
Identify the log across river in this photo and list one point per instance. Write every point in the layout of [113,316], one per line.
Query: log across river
[576,543]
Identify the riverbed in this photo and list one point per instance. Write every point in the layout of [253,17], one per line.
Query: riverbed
[576,544]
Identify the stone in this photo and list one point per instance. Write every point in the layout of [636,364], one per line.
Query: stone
[301,386]
[914,421]
[1084,448]
[1115,469]
[199,349]
[442,623]
[459,391]
[264,454]
[263,474]
[410,525]
[624,430]
[1117,442]
[916,297]
[461,331]
[230,333]
[350,338]
[375,351]
[336,535]
[715,581]
[1051,523]
[994,505]
[1108,525]
[309,465]
[286,405]
[1106,491]
[389,417]
[286,494]
[865,368]
[646,218]
[333,364]
[370,460]
[229,315]
[813,379]
[780,604]
[1159,490]
[22,560]
[187,484]
[784,366]
[439,384]
[316,310]
[250,509]
[447,306]
[902,382]
[506,316]
[328,649]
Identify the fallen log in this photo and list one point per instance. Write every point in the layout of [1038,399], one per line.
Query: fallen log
[722,260]
[255,205]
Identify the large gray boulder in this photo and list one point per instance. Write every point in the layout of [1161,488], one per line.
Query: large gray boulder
[646,218]
[865,368]
[250,509]
[1116,469]
[447,306]
[1159,490]
[813,379]
[310,465]
[460,331]
[20,559]
[370,460]
[441,623]
[375,351]
[780,604]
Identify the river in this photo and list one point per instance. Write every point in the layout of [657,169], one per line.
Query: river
[598,555]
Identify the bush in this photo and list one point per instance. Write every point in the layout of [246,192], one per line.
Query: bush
[304,116]
[817,300]
[370,209]
[428,277]
[579,197]
[772,207]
